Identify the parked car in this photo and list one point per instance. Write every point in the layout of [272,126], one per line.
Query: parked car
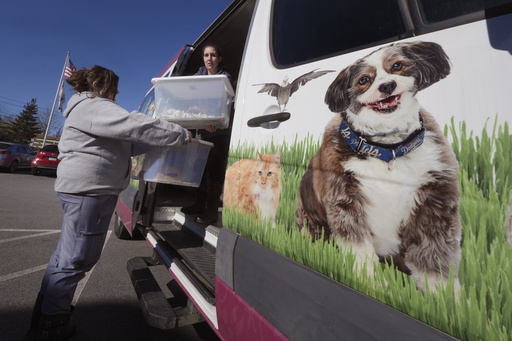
[14,156]
[47,159]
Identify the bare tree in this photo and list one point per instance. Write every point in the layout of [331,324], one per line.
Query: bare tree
[56,124]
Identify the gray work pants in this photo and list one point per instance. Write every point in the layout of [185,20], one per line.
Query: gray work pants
[84,228]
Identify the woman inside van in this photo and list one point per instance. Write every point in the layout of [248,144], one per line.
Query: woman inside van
[209,192]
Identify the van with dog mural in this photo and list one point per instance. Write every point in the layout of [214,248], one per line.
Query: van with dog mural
[368,189]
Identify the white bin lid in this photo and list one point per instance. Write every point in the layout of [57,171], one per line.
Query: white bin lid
[198,78]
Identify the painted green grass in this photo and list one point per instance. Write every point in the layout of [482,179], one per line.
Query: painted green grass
[483,310]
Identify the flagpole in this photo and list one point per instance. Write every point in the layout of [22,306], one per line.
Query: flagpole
[55,101]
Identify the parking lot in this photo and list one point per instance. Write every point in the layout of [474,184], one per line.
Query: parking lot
[106,304]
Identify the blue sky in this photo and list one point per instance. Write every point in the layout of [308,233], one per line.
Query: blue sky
[134,38]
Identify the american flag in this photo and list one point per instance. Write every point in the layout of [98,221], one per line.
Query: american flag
[70,68]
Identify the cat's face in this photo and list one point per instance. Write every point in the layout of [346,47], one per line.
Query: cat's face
[268,170]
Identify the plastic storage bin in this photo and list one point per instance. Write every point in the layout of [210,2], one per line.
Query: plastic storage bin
[183,165]
[194,101]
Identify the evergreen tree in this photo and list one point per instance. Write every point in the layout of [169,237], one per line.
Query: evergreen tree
[26,124]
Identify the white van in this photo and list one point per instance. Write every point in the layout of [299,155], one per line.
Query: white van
[293,256]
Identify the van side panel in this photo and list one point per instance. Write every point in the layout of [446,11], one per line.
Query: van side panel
[287,294]
[125,214]
[238,320]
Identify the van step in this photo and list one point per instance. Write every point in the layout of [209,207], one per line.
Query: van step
[183,269]
[192,250]
[157,310]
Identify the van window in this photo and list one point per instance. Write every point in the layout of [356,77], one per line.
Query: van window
[433,11]
[148,105]
[305,30]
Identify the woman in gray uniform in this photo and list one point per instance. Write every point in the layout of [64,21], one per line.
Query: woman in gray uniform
[95,150]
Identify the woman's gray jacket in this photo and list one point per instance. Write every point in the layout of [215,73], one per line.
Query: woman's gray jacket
[96,144]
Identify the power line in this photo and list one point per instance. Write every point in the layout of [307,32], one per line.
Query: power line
[7,116]
[14,105]
[10,99]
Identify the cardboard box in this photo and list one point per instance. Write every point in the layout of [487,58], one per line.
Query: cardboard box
[183,165]
[194,101]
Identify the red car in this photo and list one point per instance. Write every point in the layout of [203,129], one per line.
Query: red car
[46,159]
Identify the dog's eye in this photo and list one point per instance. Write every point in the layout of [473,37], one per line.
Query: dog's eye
[397,66]
[364,80]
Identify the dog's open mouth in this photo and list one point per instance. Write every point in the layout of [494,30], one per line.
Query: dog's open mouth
[387,105]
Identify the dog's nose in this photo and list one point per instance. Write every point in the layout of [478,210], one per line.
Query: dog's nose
[387,88]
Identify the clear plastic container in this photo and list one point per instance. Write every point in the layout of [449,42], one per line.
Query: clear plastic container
[183,165]
[194,101]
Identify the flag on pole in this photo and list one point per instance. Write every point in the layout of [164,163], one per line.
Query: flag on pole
[62,97]
[68,70]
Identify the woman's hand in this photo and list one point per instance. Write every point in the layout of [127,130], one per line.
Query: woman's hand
[211,128]
[189,136]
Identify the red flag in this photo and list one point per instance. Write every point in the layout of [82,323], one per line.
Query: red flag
[70,68]
[62,97]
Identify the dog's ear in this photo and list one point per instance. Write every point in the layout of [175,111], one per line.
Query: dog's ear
[430,60]
[337,95]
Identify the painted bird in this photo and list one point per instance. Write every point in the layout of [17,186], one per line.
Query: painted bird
[285,91]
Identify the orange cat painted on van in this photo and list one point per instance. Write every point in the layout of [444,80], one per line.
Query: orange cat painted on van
[254,186]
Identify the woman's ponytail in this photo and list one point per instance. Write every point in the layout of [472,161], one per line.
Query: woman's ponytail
[106,81]
[78,81]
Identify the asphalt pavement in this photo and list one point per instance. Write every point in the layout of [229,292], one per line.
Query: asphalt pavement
[106,306]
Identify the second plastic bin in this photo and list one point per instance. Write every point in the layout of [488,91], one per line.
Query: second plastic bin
[183,165]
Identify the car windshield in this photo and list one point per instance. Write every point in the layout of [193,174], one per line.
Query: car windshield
[50,149]
[4,145]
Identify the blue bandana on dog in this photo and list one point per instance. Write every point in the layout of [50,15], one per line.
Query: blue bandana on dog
[386,152]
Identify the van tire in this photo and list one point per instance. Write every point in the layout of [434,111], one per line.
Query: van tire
[119,230]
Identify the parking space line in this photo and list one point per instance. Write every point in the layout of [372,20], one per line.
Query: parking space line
[30,236]
[23,272]
[83,282]
[27,230]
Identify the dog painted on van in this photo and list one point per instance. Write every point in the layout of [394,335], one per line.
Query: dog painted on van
[384,181]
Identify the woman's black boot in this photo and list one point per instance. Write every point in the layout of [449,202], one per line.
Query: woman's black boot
[55,327]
